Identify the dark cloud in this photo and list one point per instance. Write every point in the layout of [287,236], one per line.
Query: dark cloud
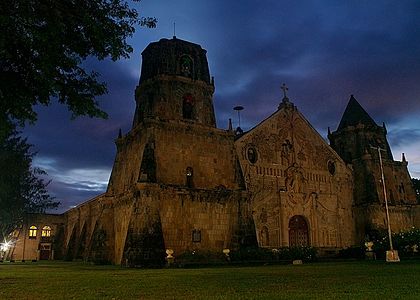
[323,50]
[401,137]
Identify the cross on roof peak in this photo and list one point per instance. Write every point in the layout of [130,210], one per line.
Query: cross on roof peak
[285,89]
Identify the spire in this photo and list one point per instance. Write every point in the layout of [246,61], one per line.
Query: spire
[120,133]
[355,114]
[230,128]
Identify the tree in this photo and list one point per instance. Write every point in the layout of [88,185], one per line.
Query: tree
[21,189]
[416,185]
[43,44]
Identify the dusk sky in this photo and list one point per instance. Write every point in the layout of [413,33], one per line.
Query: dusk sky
[323,50]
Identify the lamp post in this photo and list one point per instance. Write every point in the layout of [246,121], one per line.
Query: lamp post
[391,254]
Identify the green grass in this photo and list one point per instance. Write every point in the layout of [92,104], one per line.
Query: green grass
[340,280]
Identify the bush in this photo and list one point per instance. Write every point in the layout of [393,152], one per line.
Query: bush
[247,254]
[285,253]
[200,256]
[357,252]
[252,254]
[406,242]
[304,253]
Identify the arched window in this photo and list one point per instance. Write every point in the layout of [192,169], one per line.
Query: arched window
[188,106]
[46,231]
[32,232]
[186,66]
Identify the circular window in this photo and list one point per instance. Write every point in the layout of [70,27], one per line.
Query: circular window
[331,167]
[252,155]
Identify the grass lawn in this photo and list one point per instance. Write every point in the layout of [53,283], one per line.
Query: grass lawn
[337,280]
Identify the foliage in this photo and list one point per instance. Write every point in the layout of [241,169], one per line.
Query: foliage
[304,253]
[407,242]
[248,254]
[21,189]
[252,254]
[357,252]
[43,45]
[200,256]
[416,185]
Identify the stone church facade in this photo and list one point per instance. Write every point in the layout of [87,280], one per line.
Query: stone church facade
[180,183]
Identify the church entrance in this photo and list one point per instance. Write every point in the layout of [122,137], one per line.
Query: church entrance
[298,232]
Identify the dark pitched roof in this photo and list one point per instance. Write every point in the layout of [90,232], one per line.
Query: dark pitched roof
[355,114]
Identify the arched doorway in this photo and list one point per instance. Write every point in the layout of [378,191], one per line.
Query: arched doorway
[298,232]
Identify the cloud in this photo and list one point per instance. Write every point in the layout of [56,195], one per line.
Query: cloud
[323,50]
[72,186]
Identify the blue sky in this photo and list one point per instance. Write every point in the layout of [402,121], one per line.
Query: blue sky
[323,50]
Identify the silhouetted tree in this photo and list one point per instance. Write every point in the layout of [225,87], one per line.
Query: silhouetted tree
[43,44]
[21,190]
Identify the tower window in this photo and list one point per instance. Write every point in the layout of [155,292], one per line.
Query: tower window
[32,232]
[186,66]
[188,107]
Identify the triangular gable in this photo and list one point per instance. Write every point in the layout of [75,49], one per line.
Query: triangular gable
[277,117]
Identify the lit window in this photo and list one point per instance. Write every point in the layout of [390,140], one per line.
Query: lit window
[46,231]
[32,232]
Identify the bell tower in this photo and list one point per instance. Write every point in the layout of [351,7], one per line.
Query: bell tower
[358,134]
[174,140]
[175,84]
[357,140]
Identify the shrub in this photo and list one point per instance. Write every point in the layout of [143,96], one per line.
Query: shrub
[304,253]
[406,242]
[252,254]
[357,252]
[200,256]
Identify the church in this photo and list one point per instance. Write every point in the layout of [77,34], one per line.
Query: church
[178,182]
